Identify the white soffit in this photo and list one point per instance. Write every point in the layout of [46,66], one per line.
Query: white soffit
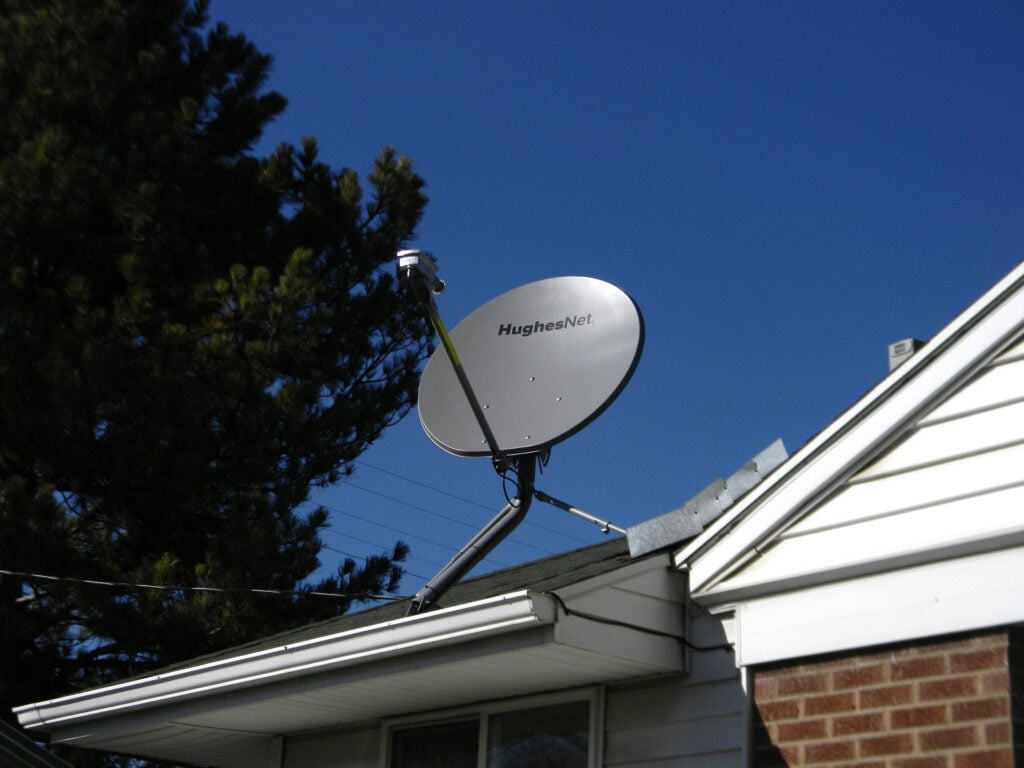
[866,428]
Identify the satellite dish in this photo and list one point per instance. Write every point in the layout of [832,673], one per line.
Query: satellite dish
[525,371]
[544,360]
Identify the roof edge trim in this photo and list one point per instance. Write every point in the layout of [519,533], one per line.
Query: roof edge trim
[438,628]
[868,424]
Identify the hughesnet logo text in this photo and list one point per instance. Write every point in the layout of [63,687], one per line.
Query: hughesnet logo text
[541,326]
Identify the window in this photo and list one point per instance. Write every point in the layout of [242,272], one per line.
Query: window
[548,737]
[553,735]
[447,745]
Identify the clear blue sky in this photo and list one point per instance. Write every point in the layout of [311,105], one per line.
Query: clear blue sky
[783,187]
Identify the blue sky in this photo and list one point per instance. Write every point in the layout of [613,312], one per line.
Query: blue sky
[784,188]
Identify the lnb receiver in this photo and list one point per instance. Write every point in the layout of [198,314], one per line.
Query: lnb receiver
[419,268]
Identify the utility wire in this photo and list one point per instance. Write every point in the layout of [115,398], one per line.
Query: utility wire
[359,557]
[463,499]
[182,588]
[339,534]
[395,500]
[348,483]
[398,531]
[364,489]
[421,484]
[436,514]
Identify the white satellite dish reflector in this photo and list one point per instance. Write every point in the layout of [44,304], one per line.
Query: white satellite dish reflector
[544,360]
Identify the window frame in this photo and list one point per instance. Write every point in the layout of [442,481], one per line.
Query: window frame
[481,713]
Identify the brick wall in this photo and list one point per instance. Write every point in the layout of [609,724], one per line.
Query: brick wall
[947,704]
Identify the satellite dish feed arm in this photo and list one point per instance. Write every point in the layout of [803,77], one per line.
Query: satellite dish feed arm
[420,273]
[481,545]
[498,457]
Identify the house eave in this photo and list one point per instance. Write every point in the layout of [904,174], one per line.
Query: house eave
[732,591]
[236,710]
[934,599]
[860,432]
[422,632]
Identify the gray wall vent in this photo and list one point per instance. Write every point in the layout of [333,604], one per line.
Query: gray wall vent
[901,351]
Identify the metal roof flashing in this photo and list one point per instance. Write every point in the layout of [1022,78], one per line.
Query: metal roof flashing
[675,527]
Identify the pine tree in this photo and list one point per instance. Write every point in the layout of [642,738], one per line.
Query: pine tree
[191,337]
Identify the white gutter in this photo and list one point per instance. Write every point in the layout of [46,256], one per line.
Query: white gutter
[827,458]
[362,645]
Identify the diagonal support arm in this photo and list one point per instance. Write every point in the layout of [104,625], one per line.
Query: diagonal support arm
[486,540]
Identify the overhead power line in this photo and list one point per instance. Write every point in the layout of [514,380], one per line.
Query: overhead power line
[463,499]
[183,588]
[405,572]
[386,497]
[337,511]
[347,536]
[421,484]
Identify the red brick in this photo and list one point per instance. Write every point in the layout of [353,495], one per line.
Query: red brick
[858,677]
[912,669]
[992,658]
[773,711]
[872,722]
[932,761]
[790,686]
[838,662]
[997,639]
[994,758]
[996,682]
[914,717]
[950,688]
[829,752]
[982,709]
[948,738]
[801,730]
[998,733]
[791,754]
[765,688]
[833,702]
[873,698]
[887,745]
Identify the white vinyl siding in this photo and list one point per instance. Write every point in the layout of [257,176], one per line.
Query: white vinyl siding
[953,485]
[683,721]
[350,748]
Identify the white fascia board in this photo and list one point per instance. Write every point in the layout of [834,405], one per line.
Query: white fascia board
[813,471]
[363,645]
[930,600]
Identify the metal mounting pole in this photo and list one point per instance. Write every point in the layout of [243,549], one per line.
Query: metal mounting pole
[486,540]
[419,272]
